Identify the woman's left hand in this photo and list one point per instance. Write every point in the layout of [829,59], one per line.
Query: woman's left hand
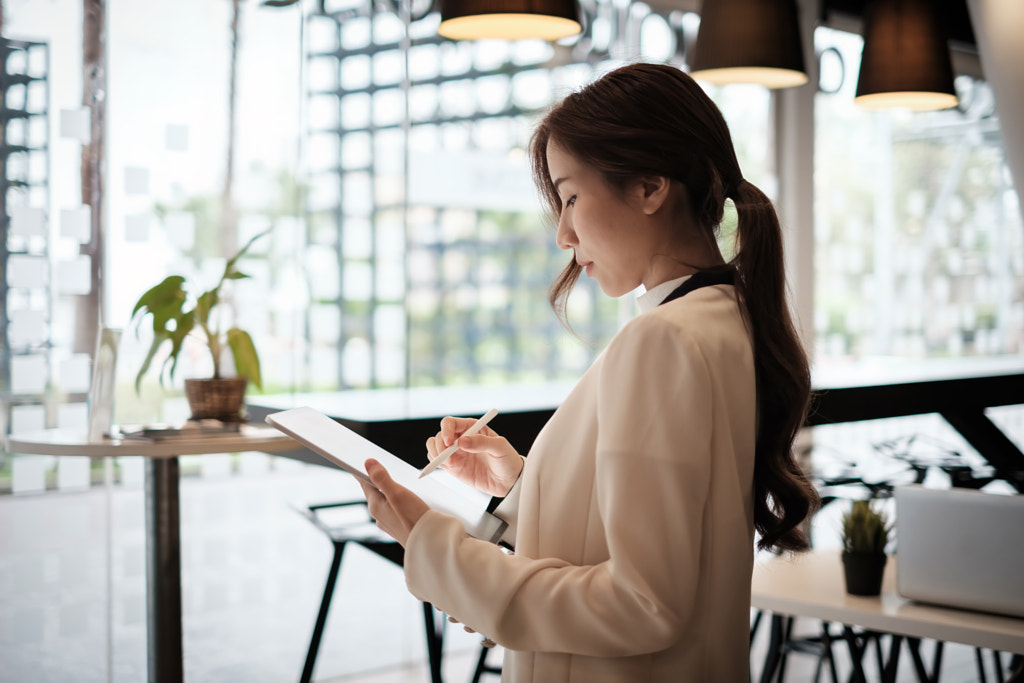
[396,508]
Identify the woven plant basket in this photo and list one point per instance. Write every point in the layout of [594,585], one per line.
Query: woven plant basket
[218,399]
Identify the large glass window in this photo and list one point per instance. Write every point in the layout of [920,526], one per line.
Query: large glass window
[408,246]
[447,282]
[919,243]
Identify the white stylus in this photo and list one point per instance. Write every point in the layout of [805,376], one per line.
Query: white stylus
[476,427]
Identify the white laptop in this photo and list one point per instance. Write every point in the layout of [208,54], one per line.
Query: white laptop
[961,548]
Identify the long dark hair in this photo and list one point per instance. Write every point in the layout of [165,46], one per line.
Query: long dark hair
[654,120]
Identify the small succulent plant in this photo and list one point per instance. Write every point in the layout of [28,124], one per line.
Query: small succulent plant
[865,529]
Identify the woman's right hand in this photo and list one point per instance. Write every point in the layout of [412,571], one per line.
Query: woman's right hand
[485,461]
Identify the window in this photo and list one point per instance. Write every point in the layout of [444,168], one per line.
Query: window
[919,246]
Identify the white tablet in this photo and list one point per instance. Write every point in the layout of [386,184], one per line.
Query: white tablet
[349,451]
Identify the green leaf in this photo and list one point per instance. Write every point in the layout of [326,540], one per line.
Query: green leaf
[168,294]
[185,323]
[206,303]
[247,362]
[165,302]
[165,313]
[865,529]
[158,341]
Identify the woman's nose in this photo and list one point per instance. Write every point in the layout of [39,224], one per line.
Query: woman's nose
[565,236]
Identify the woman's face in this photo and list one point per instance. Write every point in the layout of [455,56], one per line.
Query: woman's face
[602,225]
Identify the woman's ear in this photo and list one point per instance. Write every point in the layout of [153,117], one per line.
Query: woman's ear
[654,192]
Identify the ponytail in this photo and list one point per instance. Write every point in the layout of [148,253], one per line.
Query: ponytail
[783,496]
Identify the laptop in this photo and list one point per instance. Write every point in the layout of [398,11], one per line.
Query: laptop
[961,548]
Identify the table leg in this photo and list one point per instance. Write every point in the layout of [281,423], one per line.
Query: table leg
[163,572]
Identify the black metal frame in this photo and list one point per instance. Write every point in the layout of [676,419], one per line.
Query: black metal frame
[482,667]
[389,550]
[961,401]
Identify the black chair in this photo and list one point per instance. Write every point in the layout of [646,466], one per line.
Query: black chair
[366,534]
[482,667]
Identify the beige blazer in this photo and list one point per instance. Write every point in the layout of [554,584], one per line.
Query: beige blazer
[634,547]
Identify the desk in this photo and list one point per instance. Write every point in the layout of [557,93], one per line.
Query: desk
[163,542]
[812,585]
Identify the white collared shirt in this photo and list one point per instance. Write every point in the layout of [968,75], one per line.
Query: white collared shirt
[651,298]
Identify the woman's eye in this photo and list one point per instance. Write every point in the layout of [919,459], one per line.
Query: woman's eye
[572,200]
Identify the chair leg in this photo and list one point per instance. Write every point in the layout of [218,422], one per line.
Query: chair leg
[435,642]
[892,666]
[856,653]
[481,663]
[753,633]
[786,639]
[321,617]
[980,664]
[997,660]
[826,644]
[914,645]
[776,641]
[757,623]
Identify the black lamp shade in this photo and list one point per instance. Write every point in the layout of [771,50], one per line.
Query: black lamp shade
[906,61]
[509,19]
[749,41]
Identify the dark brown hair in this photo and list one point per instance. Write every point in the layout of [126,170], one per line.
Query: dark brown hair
[654,120]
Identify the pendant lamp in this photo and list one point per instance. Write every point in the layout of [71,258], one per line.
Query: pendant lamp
[905,63]
[509,19]
[749,41]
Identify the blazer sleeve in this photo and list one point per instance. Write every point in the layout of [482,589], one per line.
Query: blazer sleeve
[652,481]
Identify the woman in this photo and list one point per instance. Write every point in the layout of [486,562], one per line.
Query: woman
[636,509]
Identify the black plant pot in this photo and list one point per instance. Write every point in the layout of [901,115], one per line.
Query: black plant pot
[864,573]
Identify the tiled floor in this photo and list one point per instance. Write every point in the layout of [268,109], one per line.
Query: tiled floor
[72,588]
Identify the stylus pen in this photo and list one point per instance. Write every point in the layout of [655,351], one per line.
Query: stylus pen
[476,427]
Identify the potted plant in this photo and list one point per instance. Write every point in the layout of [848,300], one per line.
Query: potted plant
[175,316]
[865,535]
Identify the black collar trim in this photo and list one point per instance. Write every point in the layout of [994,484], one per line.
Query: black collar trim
[702,278]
